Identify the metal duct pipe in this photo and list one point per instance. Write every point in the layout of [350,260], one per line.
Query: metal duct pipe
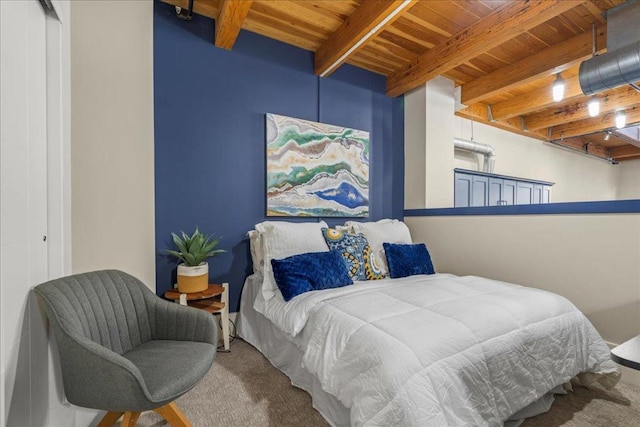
[611,69]
[477,147]
[621,64]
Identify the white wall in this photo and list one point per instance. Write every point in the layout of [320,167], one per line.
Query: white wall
[415,112]
[112,137]
[112,157]
[578,177]
[429,132]
[439,149]
[628,186]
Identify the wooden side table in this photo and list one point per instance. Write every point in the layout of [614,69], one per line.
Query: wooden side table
[205,301]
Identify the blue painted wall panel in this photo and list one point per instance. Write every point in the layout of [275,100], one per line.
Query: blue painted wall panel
[210,134]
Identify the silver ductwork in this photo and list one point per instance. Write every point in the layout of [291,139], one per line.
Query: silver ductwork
[610,70]
[477,147]
[620,65]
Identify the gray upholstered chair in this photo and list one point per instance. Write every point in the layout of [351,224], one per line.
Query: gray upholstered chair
[123,349]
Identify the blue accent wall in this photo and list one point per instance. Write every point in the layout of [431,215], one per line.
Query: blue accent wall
[210,107]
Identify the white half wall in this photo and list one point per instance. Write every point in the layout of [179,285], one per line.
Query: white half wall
[112,162]
[590,259]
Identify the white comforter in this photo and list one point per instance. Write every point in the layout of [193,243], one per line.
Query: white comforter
[439,350]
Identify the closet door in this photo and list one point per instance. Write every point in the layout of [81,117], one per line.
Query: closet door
[23,198]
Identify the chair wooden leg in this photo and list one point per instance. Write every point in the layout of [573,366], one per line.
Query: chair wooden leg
[130,419]
[110,418]
[174,416]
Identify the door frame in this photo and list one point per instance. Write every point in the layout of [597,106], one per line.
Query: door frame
[58,140]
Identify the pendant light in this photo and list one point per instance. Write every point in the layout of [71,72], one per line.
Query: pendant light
[621,119]
[558,88]
[594,106]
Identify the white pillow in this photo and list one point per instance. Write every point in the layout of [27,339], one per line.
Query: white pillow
[379,232]
[282,239]
[257,254]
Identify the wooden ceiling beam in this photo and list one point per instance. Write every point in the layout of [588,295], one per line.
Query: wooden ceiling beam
[548,61]
[535,100]
[503,24]
[624,151]
[595,11]
[229,21]
[368,20]
[479,113]
[609,101]
[592,125]
[586,147]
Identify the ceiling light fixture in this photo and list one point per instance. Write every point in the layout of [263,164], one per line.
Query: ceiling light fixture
[621,119]
[558,88]
[607,135]
[594,106]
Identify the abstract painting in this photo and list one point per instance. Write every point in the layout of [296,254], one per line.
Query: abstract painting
[316,169]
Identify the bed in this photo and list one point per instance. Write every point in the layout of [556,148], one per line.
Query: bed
[423,350]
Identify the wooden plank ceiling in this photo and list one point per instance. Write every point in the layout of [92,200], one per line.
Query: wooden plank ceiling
[503,54]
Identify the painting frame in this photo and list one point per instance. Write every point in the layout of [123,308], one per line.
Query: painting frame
[315,169]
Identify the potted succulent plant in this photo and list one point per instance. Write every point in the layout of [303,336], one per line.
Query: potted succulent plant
[193,272]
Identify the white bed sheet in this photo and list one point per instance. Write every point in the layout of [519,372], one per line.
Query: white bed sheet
[507,355]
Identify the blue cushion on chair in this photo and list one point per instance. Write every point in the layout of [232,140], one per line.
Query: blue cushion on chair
[408,260]
[312,271]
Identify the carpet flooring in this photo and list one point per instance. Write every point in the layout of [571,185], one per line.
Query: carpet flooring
[243,389]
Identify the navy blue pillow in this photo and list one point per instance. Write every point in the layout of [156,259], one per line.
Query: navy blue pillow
[312,271]
[407,260]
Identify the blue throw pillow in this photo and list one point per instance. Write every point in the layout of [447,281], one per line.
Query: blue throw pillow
[408,260]
[312,271]
[356,253]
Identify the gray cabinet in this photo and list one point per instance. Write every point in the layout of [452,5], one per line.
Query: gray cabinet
[472,188]
[462,190]
[480,191]
[524,193]
[502,192]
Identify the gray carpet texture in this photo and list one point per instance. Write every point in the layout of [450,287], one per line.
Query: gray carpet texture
[243,389]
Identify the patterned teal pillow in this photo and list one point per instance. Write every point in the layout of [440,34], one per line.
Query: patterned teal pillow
[356,253]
